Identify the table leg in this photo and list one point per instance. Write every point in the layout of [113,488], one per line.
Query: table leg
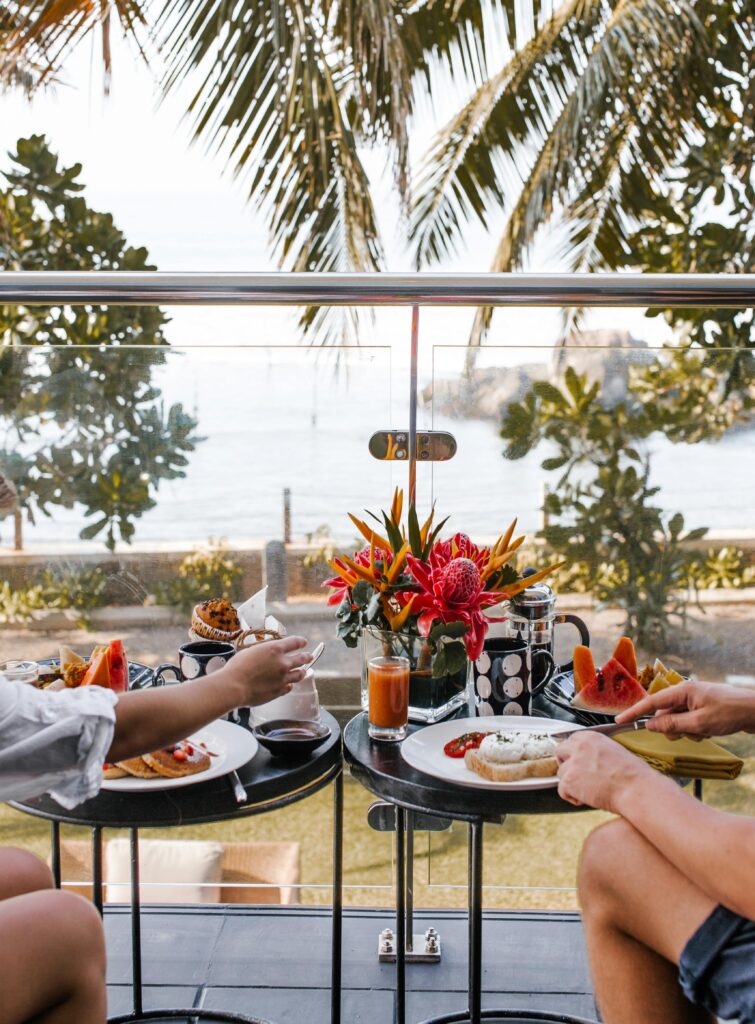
[475,921]
[336,950]
[97,868]
[136,924]
[55,852]
[400,917]
[409,881]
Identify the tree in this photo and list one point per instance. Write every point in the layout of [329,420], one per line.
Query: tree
[601,514]
[588,121]
[81,419]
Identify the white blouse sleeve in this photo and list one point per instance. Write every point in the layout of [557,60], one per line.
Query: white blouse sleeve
[54,742]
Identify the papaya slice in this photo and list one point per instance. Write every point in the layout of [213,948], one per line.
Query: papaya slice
[626,656]
[584,667]
[98,673]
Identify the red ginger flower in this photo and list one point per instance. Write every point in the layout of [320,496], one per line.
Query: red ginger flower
[452,590]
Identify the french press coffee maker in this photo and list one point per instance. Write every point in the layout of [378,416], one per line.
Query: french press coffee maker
[533,615]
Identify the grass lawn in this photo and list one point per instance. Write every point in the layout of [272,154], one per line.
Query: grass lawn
[539,854]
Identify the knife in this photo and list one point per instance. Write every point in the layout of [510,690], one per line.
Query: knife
[609,729]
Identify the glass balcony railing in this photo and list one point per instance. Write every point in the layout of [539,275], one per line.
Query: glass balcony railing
[233,454]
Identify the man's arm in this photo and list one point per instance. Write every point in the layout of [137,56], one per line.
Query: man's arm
[152,718]
[713,849]
[696,709]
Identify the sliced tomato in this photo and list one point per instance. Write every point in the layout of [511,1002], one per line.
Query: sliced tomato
[467,741]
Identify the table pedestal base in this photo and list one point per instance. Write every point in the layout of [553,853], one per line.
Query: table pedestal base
[475,1014]
[513,1016]
[188,1015]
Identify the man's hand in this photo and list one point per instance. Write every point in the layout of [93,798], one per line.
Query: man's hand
[697,710]
[593,769]
[262,672]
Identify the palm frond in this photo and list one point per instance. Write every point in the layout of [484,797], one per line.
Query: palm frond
[620,128]
[50,29]
[273,98]
[463,175]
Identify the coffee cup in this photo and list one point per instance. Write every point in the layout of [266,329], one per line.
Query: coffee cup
[195,659]
[504,676]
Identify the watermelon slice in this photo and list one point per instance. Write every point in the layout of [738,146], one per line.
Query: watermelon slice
[118,667]
[612,690]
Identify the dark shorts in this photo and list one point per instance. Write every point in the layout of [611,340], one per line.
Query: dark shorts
[717,966]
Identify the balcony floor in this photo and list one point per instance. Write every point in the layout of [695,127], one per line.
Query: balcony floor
[274,963]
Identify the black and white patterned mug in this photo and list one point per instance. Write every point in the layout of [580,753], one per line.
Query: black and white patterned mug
[198,658]
[503,677]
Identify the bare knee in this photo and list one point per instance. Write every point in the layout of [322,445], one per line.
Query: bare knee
[82,923]
[605,856]
[21,872]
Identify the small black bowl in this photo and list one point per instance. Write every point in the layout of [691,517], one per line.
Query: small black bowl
[285,737]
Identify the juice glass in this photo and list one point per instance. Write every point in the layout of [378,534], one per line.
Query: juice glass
[388,682]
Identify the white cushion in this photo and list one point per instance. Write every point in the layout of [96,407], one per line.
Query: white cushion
[197,864]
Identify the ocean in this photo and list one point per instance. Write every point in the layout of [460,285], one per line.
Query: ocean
[293,418]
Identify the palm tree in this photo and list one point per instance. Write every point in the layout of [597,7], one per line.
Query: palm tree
[581,111]
[584,119]
[290,91]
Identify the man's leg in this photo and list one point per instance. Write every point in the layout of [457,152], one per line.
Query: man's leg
[638,912]
[52,960]
[22,872]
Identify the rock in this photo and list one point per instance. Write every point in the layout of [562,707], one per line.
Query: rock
[604,355]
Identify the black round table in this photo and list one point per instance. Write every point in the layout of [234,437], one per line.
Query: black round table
[382,770]
[269,782]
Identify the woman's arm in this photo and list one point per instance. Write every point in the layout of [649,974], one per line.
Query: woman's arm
[713,849]
[148,719]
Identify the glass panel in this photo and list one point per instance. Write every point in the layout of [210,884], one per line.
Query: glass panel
[89,428]
[601,478]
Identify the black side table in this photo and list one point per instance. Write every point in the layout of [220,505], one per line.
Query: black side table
[269,782]
[382,770]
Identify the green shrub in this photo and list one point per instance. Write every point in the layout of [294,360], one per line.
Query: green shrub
[722,569]
[81,589]
[205,573]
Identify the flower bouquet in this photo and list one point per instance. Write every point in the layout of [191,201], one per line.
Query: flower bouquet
[409,592]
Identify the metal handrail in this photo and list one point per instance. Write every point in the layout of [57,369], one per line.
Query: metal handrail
[644,290]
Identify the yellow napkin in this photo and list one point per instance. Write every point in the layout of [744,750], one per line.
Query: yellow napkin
[687,758]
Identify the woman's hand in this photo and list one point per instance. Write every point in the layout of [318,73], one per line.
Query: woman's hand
[262,672]
[698,710]
[593,770]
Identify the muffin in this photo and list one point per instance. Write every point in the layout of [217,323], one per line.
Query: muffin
[215,619]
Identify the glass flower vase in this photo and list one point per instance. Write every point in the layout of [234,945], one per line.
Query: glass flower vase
[431,699]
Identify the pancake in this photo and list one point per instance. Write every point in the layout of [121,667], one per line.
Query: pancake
[112,771]
[137,767]
[178,760]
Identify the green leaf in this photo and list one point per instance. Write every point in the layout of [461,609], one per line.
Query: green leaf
[415,538]
[452,629]
[556,462]
[362,593]
[452,659]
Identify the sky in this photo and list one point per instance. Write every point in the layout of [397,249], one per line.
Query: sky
[170,194]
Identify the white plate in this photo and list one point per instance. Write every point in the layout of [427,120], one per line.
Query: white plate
[423,750]
[234,745]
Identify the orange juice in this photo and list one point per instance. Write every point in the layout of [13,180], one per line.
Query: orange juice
[388,697]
